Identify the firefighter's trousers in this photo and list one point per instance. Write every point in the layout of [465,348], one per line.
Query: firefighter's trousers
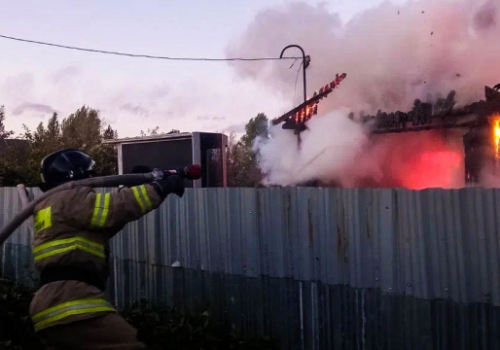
[110,331]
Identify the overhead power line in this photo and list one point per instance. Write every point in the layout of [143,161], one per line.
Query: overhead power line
[146,56]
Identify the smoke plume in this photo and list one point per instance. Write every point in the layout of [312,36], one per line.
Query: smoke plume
[392,55]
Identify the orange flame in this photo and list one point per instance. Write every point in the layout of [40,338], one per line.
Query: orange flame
[496,135]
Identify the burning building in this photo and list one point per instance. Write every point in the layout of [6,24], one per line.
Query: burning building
[392,54]
[434,144]
[478,122]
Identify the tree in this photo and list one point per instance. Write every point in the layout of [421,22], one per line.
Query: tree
[110,134]
[257,126]
[235,155]
[82,130]
[242,160]
[4,134]
[12,154]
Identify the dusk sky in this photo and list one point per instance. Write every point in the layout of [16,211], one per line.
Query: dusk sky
[138,93]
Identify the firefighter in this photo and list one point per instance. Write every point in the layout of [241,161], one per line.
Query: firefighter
[72,229]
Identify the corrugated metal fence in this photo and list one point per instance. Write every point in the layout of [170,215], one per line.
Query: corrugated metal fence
[315,268]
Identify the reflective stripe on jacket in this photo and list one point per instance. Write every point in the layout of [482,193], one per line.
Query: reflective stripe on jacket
[73,228]
[59,312]
[61,246]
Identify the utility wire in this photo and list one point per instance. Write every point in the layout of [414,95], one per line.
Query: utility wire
[146,56]
[296,79]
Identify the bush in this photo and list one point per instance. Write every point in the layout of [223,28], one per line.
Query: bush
[159,327]
[16,329]
[167,328]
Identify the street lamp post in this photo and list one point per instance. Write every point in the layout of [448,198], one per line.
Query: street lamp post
[306,60]
[305,63]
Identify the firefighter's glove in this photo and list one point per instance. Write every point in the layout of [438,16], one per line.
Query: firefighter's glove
[170,184]
[157,174]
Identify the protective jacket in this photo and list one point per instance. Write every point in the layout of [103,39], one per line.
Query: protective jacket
[72,229]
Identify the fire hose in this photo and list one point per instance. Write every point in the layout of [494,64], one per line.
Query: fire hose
[191,172]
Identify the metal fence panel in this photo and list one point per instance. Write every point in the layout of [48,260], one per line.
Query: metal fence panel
[316,268]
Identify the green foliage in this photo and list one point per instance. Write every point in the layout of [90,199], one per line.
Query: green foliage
[160,328]
[83,129]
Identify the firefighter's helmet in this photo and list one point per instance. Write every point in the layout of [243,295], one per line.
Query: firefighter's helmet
[65,165]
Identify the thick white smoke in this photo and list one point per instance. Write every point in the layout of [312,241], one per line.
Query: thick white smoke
[319,156]
[392,55]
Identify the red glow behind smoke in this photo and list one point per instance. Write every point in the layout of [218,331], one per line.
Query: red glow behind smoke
[419,160]
[432,169]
